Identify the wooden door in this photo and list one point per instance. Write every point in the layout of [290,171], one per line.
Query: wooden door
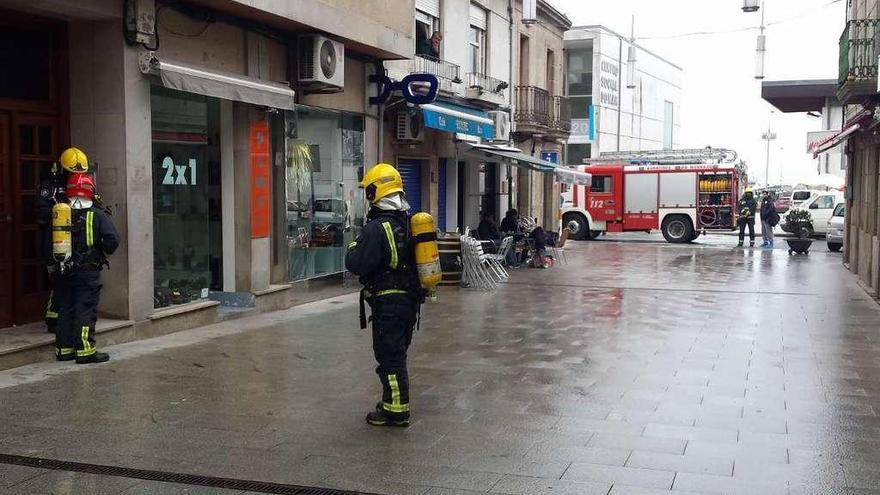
[34,146]
[7,293]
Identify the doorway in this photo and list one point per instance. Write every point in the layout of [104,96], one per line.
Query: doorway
[28,146]
[31,135]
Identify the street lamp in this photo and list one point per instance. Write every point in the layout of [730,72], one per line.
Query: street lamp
[631,58]
[751,5]
[768,136]
[761,50]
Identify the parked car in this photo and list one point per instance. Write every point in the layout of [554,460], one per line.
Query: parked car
[820,207]
[836,228]
[782,202]
[801,196]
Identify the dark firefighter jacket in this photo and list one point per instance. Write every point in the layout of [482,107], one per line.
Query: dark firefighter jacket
[94,238]
[747,207]
[382,256]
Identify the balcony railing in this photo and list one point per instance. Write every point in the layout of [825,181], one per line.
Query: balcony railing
[859,48]
[560,116]
[532,106]
[427,64]
[486,83]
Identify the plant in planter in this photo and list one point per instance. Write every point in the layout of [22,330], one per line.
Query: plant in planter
[800,222]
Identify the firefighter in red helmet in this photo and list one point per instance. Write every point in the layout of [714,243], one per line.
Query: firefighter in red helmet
[78,280]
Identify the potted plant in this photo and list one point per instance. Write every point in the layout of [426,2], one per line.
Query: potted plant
[800,223]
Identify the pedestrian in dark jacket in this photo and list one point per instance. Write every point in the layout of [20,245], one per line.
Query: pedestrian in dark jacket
[510,223]
[769,219]
[488,229]
[747,207]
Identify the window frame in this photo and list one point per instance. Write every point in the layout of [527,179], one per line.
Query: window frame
[480,45]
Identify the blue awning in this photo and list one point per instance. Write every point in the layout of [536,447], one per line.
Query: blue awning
[458,119]
[514,156]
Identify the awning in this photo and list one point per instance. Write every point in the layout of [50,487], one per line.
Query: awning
[182,77]
[834,140]
[457,119]
[569,176]
[514,156]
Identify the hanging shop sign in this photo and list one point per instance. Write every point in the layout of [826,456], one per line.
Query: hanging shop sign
[259,179]
[386,86]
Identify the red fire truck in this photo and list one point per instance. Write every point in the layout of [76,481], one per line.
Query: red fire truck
[682,193]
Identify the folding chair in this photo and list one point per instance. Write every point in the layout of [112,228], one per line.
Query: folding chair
[559,248]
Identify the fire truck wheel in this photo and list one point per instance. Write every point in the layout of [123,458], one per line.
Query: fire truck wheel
[677,229]
[579,226]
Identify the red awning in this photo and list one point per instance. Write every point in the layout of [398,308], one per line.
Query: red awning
[834,140]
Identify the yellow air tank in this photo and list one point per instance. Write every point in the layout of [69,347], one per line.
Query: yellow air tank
[427,256]
[62,241]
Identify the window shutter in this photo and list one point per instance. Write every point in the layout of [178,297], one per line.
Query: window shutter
[430,7]
[478,16]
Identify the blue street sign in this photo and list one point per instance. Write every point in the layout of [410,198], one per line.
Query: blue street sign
[550,156]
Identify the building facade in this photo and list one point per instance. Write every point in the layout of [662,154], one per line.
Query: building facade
[541,124]
[226,137]
[857,91]
[471,151]
[610,112]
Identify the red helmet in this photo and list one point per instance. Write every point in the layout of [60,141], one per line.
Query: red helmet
[81,185]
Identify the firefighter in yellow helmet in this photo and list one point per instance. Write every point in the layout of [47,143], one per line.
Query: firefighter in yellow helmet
[746,209]
[52,191]
[382,256]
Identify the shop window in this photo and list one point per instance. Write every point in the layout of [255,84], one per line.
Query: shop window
[187,243]
[576,153]
[325,151]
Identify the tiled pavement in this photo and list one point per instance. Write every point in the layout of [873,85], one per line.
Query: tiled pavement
[638,368]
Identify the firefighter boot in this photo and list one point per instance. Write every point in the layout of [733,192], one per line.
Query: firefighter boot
[751,243]
[740,244]
[98,357]
[381,417]
[66,354]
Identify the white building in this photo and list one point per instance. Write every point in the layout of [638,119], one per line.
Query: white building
[609,115]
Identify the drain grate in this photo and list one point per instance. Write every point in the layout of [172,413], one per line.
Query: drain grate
[169,477]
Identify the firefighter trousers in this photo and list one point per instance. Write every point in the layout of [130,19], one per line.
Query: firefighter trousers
[394,318]
[51,312]
[76,296]
[743,223]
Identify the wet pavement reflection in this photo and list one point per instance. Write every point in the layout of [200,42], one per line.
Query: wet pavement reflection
[637,368]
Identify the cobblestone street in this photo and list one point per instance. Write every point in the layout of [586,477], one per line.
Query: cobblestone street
[637,368]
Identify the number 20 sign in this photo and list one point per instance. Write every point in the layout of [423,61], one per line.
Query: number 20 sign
[175,175]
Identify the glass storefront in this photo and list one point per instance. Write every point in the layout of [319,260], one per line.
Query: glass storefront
[324,152]
[187,242]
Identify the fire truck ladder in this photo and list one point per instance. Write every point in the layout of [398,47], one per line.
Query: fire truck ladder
[708,156]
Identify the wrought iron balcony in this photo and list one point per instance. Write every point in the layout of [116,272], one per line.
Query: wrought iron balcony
[532,109]
[560,116]
[859,49]
[427,64]
[486,83]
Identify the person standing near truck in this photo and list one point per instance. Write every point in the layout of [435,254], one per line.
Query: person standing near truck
[747,208]
[769,219]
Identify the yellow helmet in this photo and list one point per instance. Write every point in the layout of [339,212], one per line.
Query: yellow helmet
[380,181]
[74,161]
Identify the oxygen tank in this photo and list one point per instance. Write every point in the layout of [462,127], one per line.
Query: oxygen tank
[427,256]
[62,243]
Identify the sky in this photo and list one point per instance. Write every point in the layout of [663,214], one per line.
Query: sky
[721,99]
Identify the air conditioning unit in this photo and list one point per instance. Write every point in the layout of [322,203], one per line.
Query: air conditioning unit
[321,61]
[410,128]
[501,121]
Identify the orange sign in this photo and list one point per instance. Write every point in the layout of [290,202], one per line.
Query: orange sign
[260,210]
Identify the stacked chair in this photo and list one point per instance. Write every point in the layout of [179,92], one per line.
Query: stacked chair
[480,270]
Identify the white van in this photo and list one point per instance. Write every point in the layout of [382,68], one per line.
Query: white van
[821,208]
